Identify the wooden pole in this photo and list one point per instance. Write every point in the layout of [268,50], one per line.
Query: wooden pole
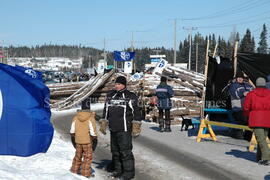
[205,81]
[215,50]
[235,58]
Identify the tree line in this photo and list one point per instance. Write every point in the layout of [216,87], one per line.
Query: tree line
[198,47]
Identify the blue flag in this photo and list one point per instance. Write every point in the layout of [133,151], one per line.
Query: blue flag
[25,127]
[35,74]
[123,56]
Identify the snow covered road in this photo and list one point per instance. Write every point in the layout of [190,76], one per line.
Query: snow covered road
[177,156]
[159,156]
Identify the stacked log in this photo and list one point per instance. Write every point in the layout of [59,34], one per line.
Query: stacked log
[187,86]
[59,90]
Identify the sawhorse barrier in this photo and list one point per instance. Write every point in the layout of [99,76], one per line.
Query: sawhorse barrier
[205,123]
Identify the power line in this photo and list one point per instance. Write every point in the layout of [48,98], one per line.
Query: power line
[238,23]
[233,10]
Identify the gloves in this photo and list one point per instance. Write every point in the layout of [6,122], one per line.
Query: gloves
[94,142]
[72,136]
[103,126]
[136,128]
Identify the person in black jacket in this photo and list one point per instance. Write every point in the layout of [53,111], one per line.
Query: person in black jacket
[122,114]
[164,92]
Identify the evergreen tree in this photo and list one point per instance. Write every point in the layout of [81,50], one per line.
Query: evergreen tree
[222,47]
[198,39]
[263,41]
[247,43]
[184,51]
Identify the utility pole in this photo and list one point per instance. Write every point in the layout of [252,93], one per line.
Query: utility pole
[174,44]
[196,56]
[190,29]
[104,50]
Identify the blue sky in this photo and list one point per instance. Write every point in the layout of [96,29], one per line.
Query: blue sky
[88,22]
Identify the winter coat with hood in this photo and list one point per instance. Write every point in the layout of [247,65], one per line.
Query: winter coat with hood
[84,126]
[237,93]
[121,109]
[268,82]
[257,107]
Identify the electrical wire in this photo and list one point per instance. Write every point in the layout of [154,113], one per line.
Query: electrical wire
[233,10]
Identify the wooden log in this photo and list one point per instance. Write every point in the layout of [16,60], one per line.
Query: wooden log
[185,84]
[191,80]
[192,74]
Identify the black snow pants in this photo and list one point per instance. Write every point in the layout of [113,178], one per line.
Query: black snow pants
[167,118]
[121,148]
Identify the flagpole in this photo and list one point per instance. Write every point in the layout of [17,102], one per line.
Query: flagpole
[132,50]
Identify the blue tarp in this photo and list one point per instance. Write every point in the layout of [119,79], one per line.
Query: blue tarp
[25,127]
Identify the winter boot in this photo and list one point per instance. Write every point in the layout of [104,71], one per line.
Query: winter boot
[161,125]
[168,126]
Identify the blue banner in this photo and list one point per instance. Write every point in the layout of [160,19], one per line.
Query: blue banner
[123,56]
[25,127]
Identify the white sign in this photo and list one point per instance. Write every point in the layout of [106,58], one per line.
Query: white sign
[160,66]
[101,66]
[157,56]
[136,76]
[128,67]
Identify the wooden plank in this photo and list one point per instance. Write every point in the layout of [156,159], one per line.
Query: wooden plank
[229,125]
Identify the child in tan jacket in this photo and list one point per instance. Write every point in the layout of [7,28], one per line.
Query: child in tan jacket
[84,129]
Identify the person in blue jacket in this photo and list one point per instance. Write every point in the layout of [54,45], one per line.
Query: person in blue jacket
[238,90]
[164,92]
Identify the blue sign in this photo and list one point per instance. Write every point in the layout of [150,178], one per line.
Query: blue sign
[161,64]
[155,60]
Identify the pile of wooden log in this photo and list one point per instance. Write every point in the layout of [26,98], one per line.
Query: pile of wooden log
[59,90]
[187,86]
[87,90]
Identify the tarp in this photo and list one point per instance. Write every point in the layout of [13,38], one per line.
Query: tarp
[220,72]
[254,65]
[25,127]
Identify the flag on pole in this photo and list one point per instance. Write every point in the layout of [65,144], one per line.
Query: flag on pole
[123,56]
[25,127]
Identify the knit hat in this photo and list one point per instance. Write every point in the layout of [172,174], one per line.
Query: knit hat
[163,79]
[239,74]
[260,82]
[121,80]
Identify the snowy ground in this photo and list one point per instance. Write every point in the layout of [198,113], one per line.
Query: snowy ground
[52,165]
[170,156]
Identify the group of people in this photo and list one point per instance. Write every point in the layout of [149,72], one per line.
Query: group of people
[123,117]
[252,107]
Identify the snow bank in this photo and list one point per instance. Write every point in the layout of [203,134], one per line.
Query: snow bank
[53,165]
